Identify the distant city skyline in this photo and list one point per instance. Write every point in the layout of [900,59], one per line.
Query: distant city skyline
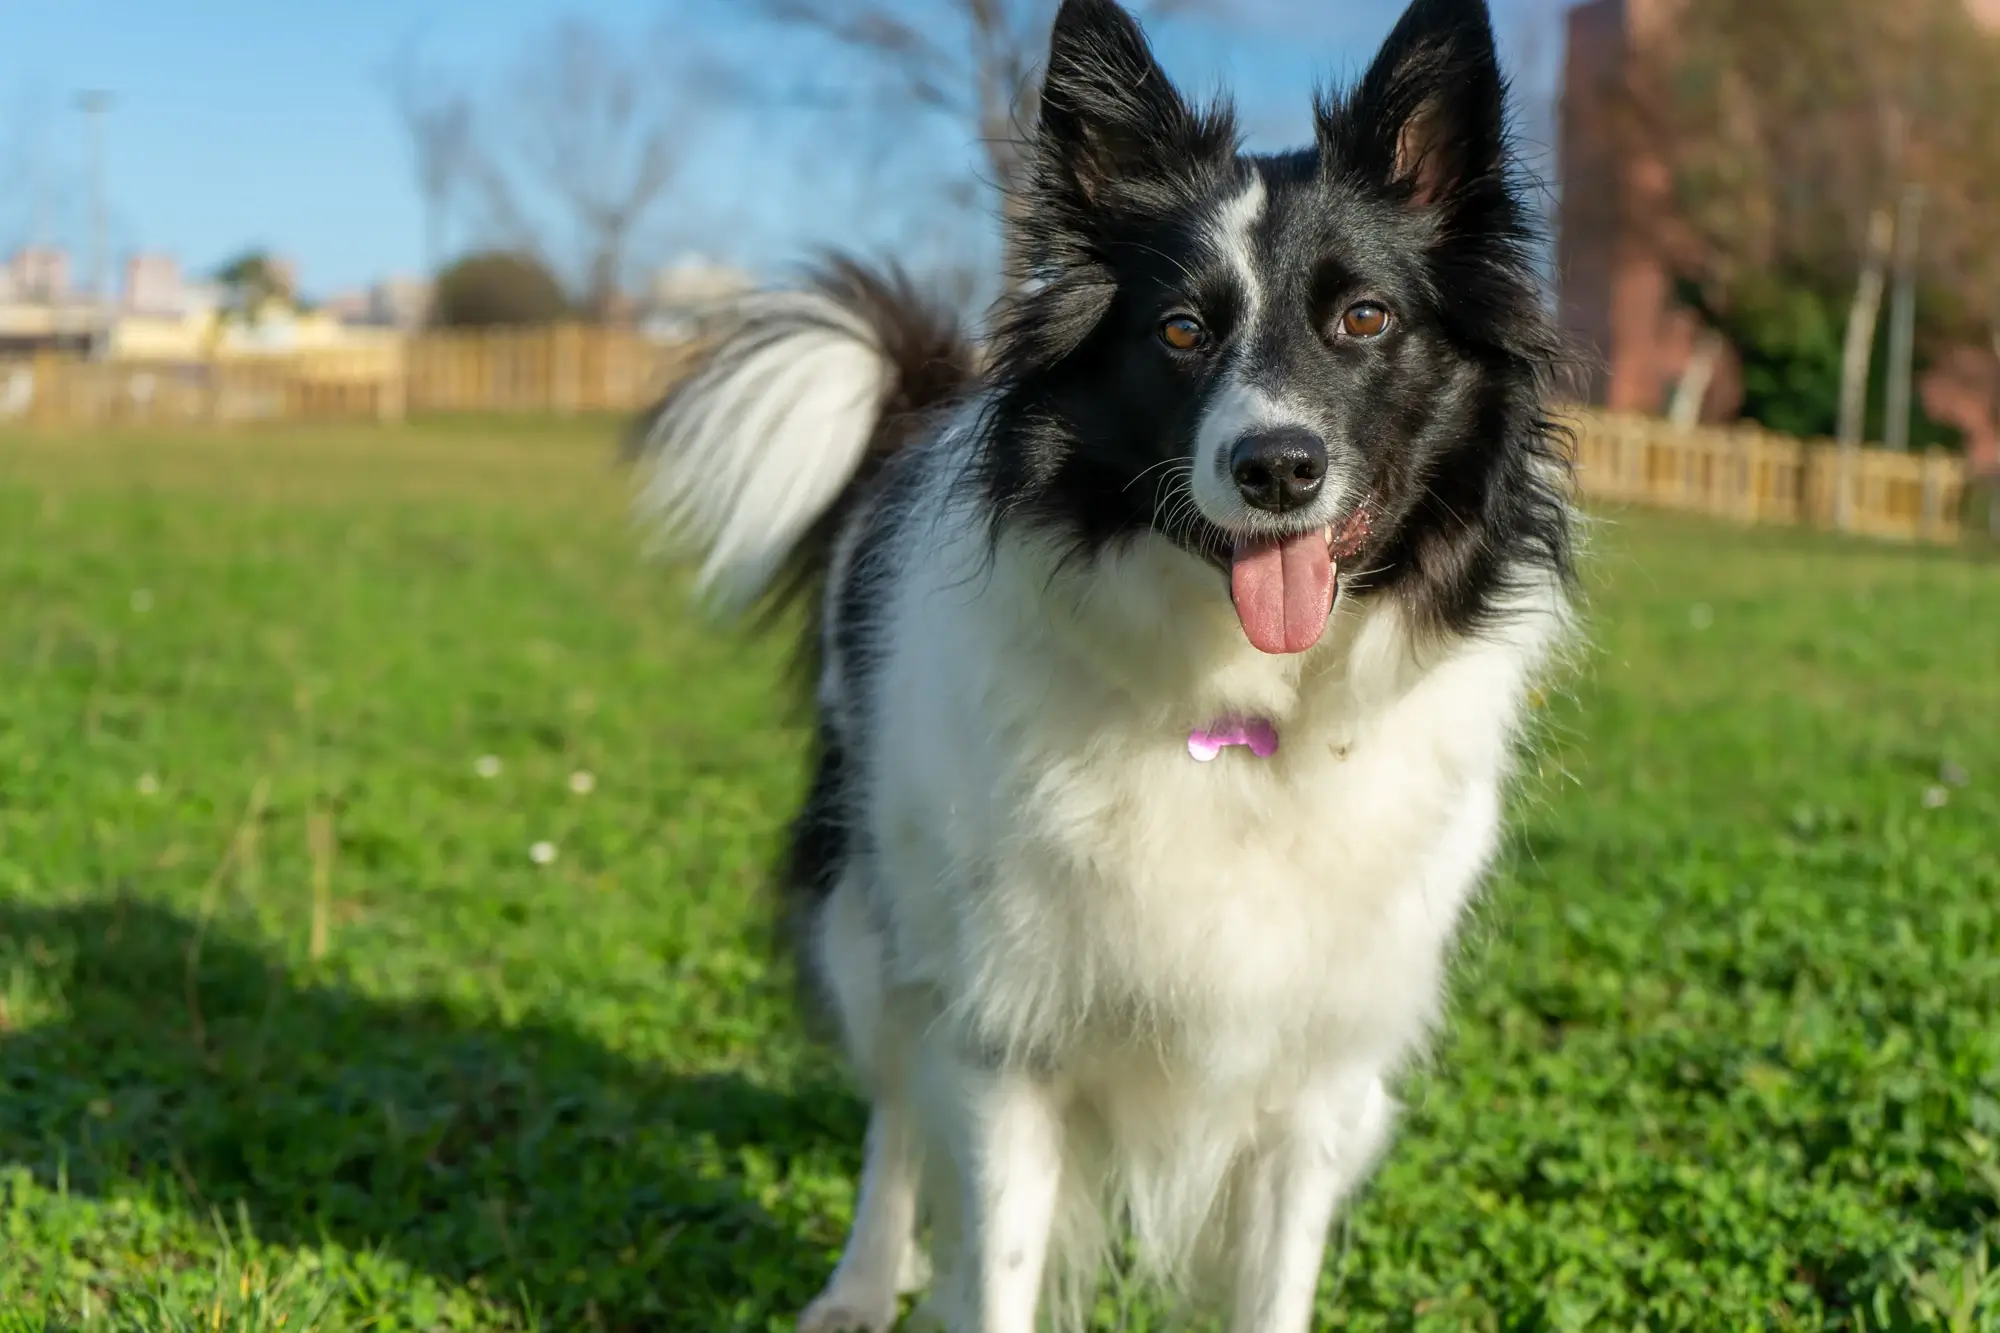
[239,125]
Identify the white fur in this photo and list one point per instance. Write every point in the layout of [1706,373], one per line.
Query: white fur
[881,1261]
[762,450]
[1214,968]
[1089,984]
[1230,233]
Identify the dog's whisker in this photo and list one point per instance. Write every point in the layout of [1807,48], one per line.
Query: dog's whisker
[1143,473]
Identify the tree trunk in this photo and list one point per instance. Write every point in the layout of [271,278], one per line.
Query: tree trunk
[1863,313]
[433,235]
[600,292]
[1691,389]
[1902,323]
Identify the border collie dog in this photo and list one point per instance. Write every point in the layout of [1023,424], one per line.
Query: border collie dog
[1169,652]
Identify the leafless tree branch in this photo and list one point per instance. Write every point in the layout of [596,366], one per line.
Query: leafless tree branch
[590,128]
[568,158]
[975,61]
[1777,130]
[436,117]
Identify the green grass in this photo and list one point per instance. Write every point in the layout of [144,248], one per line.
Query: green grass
[1725,1052]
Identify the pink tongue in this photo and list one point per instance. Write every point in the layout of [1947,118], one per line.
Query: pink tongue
[1283,591]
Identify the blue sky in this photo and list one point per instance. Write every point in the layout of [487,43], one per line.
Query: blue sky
[265,122]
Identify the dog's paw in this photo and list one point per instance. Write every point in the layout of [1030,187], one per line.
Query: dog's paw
[846,1310]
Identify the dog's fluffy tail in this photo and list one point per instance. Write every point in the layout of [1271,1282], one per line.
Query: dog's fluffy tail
[751,460]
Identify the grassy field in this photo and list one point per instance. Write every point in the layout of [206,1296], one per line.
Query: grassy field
[379,856]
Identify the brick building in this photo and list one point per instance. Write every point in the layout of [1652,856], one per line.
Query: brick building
[154,285]
[40,273]
[1617,294]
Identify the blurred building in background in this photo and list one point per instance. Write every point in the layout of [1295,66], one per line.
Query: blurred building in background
[401,303]
[1963,388]
[162,314]
[1616,292]
[38,306]
[154,285]
[40,273]
[349,305]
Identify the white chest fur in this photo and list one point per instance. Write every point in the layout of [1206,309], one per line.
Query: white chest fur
[1071,883]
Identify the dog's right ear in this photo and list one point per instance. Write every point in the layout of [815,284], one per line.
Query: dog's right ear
[1110,118]
[1430,116]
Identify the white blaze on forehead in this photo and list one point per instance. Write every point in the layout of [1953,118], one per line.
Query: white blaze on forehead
[1231,232]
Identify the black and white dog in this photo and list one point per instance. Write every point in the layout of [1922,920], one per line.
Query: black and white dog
[1169,650]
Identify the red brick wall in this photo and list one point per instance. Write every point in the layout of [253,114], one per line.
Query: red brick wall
[1587,231]
[1616,295]
[1963,390]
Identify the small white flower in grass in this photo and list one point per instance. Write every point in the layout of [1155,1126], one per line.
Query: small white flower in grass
[583,782]
[542,853]
[1702,615]
[1935,797]
[1952,775]
[487,766]
[142,600]
[148,785]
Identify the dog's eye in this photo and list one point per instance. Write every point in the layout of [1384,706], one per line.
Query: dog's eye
[1365,319]
[1184,333]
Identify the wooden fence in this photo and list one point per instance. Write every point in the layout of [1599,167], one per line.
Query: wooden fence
[1747,473]
[562,370]
[64,391]
[1739,472]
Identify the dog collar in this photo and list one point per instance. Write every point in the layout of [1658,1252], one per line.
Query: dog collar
[1253,733]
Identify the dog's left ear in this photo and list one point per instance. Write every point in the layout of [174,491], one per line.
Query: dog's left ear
[1430,115]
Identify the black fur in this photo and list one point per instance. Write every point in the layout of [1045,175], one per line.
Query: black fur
[827,834]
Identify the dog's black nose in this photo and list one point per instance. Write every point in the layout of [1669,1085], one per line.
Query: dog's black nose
[1279,469]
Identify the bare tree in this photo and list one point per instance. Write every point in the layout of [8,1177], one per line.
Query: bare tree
[568,158]
[1773,138]
[976,62]
[1962,222]
[588,136]
[40,195]
[436,115]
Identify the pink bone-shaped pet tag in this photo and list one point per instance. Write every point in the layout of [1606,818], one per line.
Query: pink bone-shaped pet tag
[1256,734]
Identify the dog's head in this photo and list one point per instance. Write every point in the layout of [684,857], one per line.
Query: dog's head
[1283,362]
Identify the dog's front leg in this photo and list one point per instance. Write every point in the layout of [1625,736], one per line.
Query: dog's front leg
[1004,1129]
[876,1265]
[1312,1159]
